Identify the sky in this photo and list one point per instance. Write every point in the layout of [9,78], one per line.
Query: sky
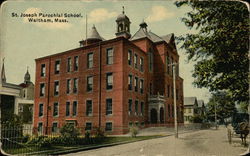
[22,41]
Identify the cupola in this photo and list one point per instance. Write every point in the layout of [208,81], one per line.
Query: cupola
[123,25]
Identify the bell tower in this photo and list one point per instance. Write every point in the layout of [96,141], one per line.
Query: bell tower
[123,25]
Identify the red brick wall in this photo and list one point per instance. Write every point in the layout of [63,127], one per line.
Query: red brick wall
[119,94]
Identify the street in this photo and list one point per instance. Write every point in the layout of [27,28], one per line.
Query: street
[198,143]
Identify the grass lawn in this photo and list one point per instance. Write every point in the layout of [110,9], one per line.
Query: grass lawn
[56,149]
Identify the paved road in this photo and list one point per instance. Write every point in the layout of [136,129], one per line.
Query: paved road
[198,143]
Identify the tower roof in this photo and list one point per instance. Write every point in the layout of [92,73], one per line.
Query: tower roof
[122,16]
[94,34]
[27,77]
[3,77]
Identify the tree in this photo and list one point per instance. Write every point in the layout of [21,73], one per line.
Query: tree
[220,48]
[225,107]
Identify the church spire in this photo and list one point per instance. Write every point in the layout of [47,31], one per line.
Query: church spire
[27,76]
[3,77]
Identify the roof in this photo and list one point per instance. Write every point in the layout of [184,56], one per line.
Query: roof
[142,33]
[122,17]
[94,34]
[200,103]
[167,37]
[189,101]
[10,85]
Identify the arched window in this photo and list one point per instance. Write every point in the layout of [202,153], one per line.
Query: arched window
[120,27]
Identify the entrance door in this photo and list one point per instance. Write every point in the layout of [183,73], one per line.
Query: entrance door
[153,115]
[161,115]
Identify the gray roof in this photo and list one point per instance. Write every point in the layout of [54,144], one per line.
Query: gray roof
[167,37]
[122,17]
[94,34]
[10,85]
[142,33]
[200,103]
[189,101]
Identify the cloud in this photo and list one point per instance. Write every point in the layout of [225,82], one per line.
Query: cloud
[47,25]
[159,13]
[99,15]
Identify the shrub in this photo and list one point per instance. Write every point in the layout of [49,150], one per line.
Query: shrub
[87,137]
[69,131]
[26,138]
[134,131]
[99,133]
[44,143]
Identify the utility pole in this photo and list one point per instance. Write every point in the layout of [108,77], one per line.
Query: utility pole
[215,114]
[175,107]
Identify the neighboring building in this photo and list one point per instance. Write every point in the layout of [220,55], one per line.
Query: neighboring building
[201,107]
[26,100]
[17,99]
[190,108]
[111,84]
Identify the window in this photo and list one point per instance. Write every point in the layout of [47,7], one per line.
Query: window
[168,64]
[67,108]
[57,67]
[43,70]
[130,103]
[74,108]
[20,108]
[109,81]
[89,107]
[108,106]
[172,92]
[141,64]
[150,61]
[172,111]
[135,60]
[109,56]
[130,82]
[76,63]
[89,83]
[90,60]
[56,88]
[142,124]
[75,86]
[108,126]
[42,89]
[136,84]
[150,88]
[69,64]
[40,110]
[168,110]
[177,94]
[129,57]
[88,126]
[136,106]
[189,110]
[168,91]
[141,86]
[55,109]
[54,127]
[130,124]
[137,124]
[68,86]
[40,127]
[142,108]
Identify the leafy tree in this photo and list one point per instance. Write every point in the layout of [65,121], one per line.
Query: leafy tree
[244,107]
[225,107]
[220,48]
